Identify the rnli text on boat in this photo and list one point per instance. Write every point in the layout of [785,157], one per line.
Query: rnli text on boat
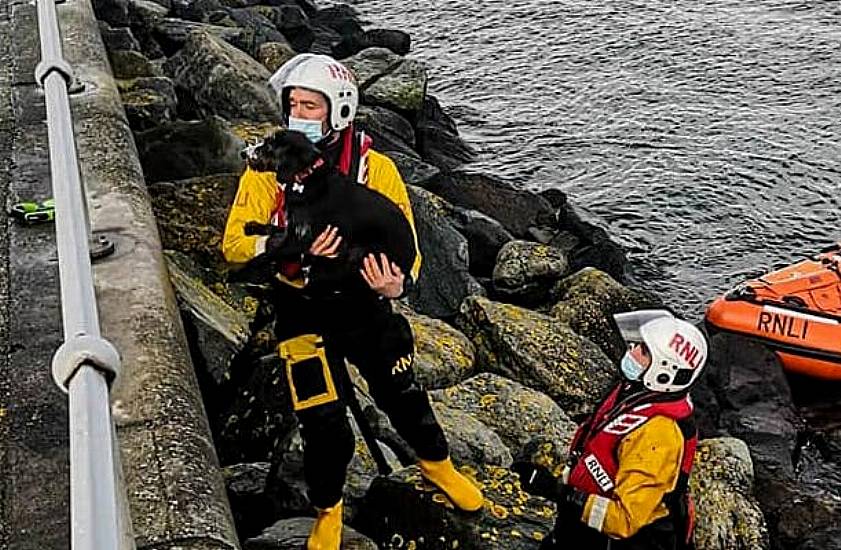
[784,325]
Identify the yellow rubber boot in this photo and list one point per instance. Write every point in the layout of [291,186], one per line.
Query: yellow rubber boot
[326,534]
[455,485]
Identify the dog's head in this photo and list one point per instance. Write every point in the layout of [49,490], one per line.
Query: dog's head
[290,154]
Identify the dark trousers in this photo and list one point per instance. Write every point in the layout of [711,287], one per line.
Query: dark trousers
[571,533]
[364,330]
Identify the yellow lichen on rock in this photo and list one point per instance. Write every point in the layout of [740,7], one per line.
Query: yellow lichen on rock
[498,511]
[253,131]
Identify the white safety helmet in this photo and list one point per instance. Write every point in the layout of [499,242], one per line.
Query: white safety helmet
[678,349]
[319,73]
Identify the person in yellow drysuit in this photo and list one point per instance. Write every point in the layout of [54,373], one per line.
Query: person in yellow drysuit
[319,97]
[625,483]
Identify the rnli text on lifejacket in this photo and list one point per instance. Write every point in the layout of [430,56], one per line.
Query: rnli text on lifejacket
[598,472]
[783,325]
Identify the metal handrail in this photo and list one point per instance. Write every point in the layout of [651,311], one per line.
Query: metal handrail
[85,364]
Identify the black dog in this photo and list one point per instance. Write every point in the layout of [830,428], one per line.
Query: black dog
[317,195]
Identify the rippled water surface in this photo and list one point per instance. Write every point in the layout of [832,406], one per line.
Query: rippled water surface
[704,135]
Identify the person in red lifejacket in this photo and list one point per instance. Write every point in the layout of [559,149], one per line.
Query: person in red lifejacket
[625,483]
[316,333]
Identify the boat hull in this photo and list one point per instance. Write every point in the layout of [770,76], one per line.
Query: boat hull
[795,311]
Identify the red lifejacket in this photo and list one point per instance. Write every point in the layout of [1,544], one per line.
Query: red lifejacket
[353,159]
[593,453]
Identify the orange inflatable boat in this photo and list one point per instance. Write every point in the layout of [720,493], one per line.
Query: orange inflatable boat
[796,311]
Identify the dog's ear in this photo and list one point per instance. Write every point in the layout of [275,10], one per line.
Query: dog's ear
[272,139]
[301,147]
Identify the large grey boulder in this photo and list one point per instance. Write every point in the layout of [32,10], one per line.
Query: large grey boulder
[584,236]
[292,21]
[149,102]
[389,80]
[272,55]
[390,131]
[328,41]
[525,272]
[132,64]
[404,511]
[219,332]
[517,210]
[587,301]
[256,29]
[309,6]
[143,17]
[292,533]
[353,42]
[253,508]
[171,33]
[444,278]
[187,149]
[515,412]
[336,30]
[538,351]
[395,40]
[446,150]
[222,80]
[200,10]
[342,18]
[111,12]
[117,38]
[438,140]
[412,169]
[755,401]
[191,214]
[728,516]
[485,238]
[471,441]
[191,217]
[443,355]
[287,18]
[793,482]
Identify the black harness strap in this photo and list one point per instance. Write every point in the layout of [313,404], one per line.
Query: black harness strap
[677,501]
[355,152]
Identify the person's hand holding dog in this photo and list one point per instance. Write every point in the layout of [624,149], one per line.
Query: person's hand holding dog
[327,244]
[384,277]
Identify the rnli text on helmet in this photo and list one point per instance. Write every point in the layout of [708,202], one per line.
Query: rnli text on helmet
[685,350]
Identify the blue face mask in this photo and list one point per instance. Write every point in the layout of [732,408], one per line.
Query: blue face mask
[310,128]
[630,368]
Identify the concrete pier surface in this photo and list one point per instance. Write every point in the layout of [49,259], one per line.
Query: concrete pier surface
[174,485]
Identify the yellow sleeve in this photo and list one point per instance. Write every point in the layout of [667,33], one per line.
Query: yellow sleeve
[649,465]
[255,201]
[384,178]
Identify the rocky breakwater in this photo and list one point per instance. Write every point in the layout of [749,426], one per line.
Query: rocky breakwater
[512,313]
